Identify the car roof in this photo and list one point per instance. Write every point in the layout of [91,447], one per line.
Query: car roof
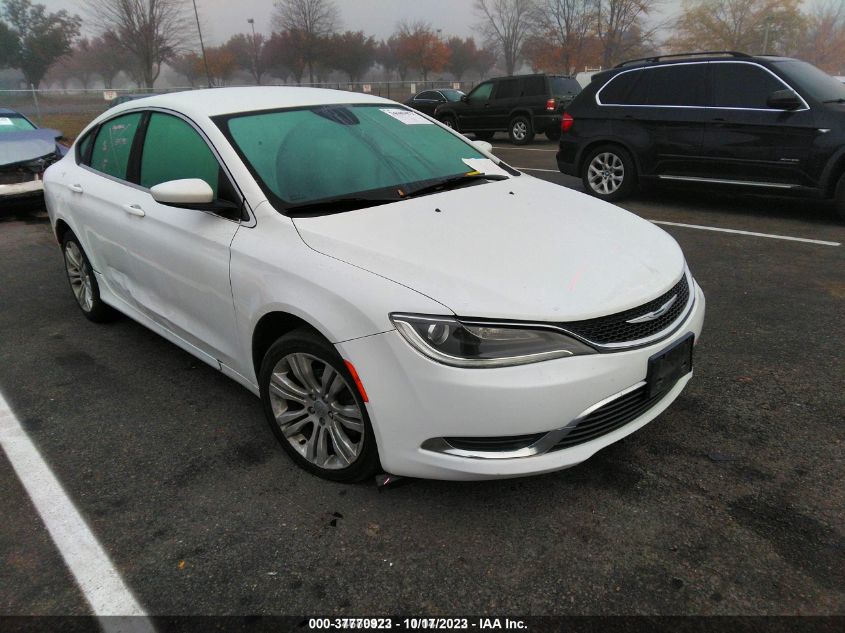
[9,111]
[210,102]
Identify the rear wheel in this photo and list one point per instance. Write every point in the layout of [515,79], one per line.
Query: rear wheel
[520,130]
[553,133]
[839,199]
[608,173]
[315,410]
[83,282]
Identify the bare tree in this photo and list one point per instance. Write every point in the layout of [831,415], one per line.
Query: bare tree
[619,26]
[151,31]
[570,23]
[506,24]
[824,41]
[313,20]
[738,25]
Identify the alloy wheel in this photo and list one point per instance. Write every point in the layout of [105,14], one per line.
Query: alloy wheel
[316,411]
[606,173]
[79,274]
[520,130]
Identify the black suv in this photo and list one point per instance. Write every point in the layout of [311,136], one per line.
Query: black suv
[521,105]
[725,119]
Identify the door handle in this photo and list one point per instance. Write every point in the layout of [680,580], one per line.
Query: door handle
[134,209]
[75,188]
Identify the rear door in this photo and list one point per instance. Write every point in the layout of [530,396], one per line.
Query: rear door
[745,139]
[427,101]
[179,256]
[660,110]
[98,188]
[505,97]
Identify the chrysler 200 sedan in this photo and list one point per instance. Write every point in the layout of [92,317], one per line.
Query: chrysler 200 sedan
[396,296]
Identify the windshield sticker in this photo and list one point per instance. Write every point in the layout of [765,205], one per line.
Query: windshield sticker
[485,166]
[4,120]
[406,116]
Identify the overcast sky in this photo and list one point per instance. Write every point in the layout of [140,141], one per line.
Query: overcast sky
[223,18]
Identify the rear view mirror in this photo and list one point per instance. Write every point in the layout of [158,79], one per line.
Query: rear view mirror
[784,100]
[183,192]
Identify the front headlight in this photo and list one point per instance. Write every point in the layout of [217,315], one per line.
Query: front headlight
[451,342]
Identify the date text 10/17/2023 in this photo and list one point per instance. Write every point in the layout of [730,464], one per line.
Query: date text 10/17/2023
[413,624]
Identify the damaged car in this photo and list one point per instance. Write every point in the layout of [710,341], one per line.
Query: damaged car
[25,152]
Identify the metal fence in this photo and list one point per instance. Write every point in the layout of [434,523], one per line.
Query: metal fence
[71,109]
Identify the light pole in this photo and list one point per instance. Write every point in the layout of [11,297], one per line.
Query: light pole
[766,35]
[202,47]
[251,22]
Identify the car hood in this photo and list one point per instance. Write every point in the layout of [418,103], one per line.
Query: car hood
[520,249]
[27,145]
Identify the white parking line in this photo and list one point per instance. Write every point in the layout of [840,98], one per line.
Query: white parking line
[752,233]
[95,574]
[524,149]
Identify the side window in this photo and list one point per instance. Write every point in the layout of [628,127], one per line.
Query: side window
[481,93]
[681,85]
[741,85]
[627,88]
[534,86]
[113,145]
[508,89]
[83,148]
[429,95]
[174,150]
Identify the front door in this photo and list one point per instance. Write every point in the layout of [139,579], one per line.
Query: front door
[747,141]
[179,257]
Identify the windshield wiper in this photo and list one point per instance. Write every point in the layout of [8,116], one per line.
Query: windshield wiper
[340,204]
[452,183]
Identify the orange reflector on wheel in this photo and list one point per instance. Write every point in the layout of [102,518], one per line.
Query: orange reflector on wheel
[357,380]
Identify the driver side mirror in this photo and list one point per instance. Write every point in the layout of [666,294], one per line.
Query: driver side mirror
[465,98]
[188,191]
[484,146]
[784,100]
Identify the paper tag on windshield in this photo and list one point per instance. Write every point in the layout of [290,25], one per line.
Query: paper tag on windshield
[406,116]
[485,166]
[4,120]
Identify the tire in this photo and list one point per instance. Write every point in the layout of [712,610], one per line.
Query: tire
[520,130]
[450,122]
[302,404]
[608,173]
[484,136]
[839,198]
[83,282]
[553,133]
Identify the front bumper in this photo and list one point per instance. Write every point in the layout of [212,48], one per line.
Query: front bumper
[32,187]
[413,399]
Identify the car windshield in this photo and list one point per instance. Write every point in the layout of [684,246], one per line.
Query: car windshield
[14,123]
[816,83]
[452,95]
[373,151]
[564,86]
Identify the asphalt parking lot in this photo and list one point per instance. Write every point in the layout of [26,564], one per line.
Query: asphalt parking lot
[731,502]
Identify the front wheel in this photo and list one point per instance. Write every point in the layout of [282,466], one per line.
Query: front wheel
[315,410]
[450,122]
[608,173]
[839,198]
[83,282]
[521,131]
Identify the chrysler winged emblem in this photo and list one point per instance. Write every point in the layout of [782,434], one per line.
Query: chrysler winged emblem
[651,316]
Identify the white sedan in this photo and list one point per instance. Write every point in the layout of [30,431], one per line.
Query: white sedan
[397,297]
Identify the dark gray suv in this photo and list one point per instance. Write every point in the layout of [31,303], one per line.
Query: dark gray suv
[521,105]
